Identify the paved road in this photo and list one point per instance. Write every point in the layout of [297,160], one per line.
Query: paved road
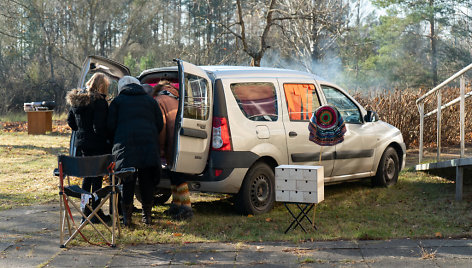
[29,238]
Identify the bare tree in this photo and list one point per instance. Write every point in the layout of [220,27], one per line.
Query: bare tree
[313,30]
[256,52]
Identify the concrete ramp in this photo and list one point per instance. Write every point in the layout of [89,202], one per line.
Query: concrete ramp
[453,169]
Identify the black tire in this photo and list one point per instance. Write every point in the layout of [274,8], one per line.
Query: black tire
[388,169]
[257,193]
[161,195]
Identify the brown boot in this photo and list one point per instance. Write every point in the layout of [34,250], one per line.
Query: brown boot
[147,218]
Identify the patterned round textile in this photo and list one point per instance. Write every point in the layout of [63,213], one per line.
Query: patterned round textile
[326,117]
[327,126]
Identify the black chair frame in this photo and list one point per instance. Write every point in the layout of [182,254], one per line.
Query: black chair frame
[81,167]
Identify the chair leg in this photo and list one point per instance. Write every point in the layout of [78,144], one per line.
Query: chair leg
[65,216]
[87,221]
[95,213]
[101,217]
[116,214]
[61,220]
[98,216]
[69,228]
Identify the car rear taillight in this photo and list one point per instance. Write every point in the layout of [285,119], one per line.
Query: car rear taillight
[218,172]
[220,137]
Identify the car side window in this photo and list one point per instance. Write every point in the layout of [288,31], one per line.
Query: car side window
[348,109]
[302,100]
[257,100]
[196,102]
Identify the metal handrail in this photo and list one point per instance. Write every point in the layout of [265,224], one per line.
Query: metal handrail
[447,81]
[420,103]
[454,101]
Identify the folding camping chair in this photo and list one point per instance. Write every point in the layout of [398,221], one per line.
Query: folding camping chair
[81,167]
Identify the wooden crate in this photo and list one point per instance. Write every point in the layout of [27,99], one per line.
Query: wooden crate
[39,122]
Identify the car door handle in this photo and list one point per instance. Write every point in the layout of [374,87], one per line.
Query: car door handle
[194,133]
[292,134]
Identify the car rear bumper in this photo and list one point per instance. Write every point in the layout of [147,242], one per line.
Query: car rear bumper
[229,185]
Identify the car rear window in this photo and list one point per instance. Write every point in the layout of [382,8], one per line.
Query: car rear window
[197,97]
[257,100]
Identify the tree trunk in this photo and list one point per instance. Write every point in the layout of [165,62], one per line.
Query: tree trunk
[256,56]
[434,64]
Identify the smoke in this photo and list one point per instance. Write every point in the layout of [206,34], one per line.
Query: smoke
[329,69]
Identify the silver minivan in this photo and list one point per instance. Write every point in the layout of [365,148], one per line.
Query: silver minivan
[236,124]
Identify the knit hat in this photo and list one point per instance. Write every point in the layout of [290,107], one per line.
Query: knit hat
[126,80]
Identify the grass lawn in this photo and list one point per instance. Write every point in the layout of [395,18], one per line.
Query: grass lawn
[26,169]
[419,206]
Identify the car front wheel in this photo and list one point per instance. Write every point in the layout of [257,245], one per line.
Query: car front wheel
[389,167]
[257,193]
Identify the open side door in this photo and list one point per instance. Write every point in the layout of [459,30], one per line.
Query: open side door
[95,64]
[192,134]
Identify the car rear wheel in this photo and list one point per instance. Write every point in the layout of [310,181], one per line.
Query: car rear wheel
[389,167]
[257,193]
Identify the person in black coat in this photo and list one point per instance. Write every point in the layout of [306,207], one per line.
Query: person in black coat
[88,118]
[134,124]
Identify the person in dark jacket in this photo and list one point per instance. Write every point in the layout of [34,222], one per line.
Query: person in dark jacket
[134,124]
[88,118]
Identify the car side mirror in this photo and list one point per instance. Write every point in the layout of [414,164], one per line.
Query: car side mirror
[371,116]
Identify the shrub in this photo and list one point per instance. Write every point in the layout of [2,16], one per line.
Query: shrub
[398,108]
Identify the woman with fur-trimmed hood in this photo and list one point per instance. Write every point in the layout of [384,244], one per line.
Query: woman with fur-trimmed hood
[88,118]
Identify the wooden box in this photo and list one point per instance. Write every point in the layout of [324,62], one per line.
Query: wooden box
[39,122]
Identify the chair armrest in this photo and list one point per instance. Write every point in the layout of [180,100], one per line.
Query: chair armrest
[125,171]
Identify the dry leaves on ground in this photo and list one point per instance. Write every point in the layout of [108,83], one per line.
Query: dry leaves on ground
[58,126]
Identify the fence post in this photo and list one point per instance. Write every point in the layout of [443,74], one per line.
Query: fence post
[459,182]
[462,115]
[438,127]
[421,110]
